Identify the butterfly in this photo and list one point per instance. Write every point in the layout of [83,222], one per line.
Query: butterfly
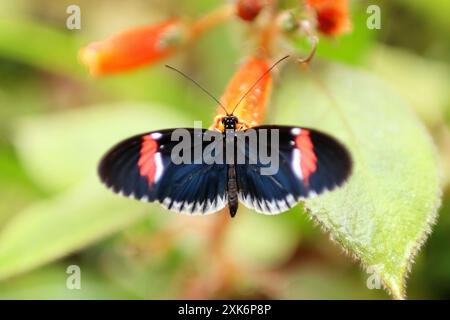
[308,163]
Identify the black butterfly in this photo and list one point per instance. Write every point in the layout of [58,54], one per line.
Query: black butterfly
[309,163]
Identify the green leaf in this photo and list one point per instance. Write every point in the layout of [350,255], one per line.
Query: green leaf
[39,45]
[423,83]
[61,152]
[384,213]
[53,228]
[261,241]
[61,149]
[434,11]
[16,190]
[319,281]
[55,49]
[50,283]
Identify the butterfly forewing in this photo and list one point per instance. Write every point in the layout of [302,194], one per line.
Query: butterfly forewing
[309,163]
[142,167]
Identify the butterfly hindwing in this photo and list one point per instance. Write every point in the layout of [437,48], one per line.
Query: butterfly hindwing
[309,163]
[141,167]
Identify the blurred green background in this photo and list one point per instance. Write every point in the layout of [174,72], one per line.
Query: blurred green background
[56,122]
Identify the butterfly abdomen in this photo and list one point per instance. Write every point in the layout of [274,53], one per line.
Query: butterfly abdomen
[232,190]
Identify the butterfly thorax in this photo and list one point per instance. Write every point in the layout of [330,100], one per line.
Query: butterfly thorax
[230,123]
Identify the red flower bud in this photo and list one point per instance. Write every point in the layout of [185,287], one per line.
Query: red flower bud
[133,48]
[332,16]
[248,10]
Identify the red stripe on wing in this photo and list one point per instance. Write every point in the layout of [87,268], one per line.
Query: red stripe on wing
[308,159]
[146,163]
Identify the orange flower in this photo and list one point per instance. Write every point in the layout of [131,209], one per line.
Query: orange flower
[252,108]
[133,48]
[332,16]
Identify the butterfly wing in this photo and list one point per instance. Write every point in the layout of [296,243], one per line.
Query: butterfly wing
[309,163]
[141,167]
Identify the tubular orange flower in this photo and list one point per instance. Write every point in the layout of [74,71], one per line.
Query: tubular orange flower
[332,16]
[252,108]
[133,48]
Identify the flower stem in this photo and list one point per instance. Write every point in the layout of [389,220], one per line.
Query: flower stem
[211,20]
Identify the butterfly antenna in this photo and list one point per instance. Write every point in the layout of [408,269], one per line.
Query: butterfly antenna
[198,85]
[257,81]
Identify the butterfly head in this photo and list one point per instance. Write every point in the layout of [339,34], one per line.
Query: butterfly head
[230,122]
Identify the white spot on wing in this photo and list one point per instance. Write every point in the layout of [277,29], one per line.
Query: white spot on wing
[166,202]
[245,200]
[159,166]
[177,205]
[282,205]
[156,135]
[268,207]
[199,209]
[312,194]
[296,131]
[296,158]
[291,200]
[187,207]
[272,206]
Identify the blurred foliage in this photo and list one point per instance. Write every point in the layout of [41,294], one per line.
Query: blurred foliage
[55,122]
[382,215]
